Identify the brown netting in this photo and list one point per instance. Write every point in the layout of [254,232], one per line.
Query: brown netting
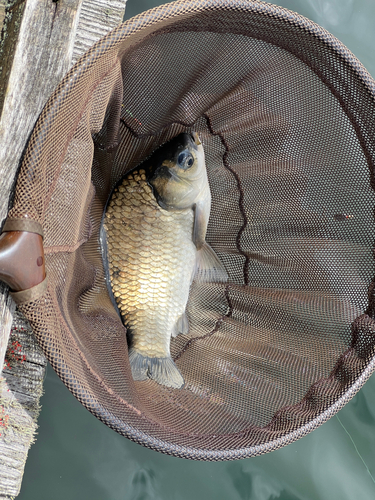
[286,116]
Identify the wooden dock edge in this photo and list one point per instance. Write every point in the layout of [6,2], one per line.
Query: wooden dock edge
[65,29]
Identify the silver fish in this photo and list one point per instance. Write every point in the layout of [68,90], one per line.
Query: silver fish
[155,228]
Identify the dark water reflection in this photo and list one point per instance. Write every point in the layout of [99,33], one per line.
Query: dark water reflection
[77,457]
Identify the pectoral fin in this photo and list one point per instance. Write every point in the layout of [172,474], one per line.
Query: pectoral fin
[201,216]
[208,266]
[181,326]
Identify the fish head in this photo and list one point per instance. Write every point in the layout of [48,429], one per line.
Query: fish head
[180,175]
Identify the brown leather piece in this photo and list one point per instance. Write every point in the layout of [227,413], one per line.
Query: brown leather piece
[30,294]
[28,225]
[22,263]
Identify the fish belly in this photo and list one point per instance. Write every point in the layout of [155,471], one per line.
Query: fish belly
[151,259]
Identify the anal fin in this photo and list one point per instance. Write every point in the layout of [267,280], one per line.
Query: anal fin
[138,365]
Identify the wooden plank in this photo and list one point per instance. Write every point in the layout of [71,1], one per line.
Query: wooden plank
[2,12]
[40,59]
[37,47]
[96,19]
[25,374]
[39,40]
[20,389]
[7,308]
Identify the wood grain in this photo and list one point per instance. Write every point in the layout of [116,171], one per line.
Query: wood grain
[2,12]
[40,40]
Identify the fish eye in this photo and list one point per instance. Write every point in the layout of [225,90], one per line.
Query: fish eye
[181,158]
[185,160]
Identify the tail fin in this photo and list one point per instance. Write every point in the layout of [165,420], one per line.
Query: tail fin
[208,266]
[162,370]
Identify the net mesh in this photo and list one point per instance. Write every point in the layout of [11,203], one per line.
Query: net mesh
[286,116]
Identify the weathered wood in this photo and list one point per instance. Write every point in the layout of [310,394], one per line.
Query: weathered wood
[96,19]
[36,49]
[38,41]
[7,308]
[36,53]
[2,12]
[20,391]
[41,57]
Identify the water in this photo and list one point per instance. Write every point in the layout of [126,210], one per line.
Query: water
[78,457]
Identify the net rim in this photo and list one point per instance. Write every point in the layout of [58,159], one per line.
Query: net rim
[143,25]
[136,25]
[192,453]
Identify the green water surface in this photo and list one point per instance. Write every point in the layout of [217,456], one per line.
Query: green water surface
[76,457]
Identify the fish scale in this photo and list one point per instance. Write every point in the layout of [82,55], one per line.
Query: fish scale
[150,261]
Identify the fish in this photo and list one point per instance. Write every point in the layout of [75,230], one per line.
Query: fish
[154,242]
